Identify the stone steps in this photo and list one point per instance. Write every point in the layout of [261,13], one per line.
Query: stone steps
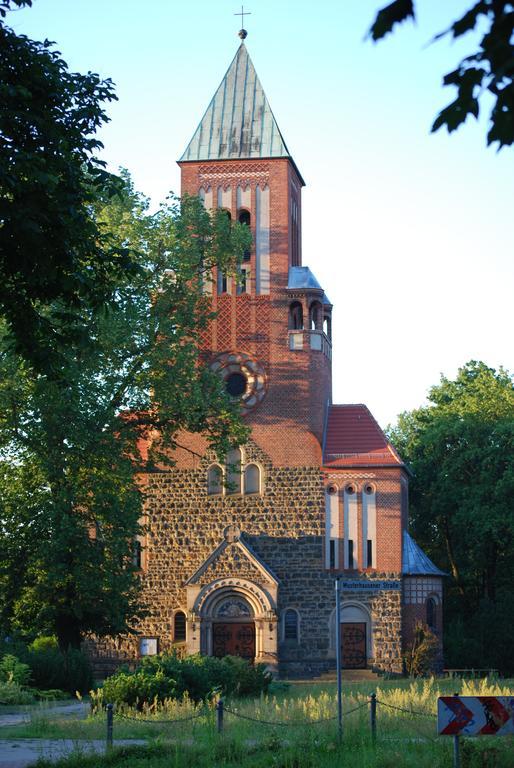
[349,676]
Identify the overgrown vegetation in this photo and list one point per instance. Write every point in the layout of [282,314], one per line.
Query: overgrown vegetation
[404,740]
[41,671]
[197,678]
[420,657]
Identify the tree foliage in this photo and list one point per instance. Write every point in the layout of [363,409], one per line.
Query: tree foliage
[51,249]
[461,450]
[70,497]
[490,68]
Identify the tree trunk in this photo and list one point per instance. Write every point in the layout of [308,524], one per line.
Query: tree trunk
[451,556]
[68,632]
[490,573]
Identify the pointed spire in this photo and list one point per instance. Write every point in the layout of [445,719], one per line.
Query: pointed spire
[238,123]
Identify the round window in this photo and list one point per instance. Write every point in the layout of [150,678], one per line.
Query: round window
[350,489]
[369,489]
[331,490]
[236,384]
[244,378]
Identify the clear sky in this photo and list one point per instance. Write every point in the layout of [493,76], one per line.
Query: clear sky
[410,234]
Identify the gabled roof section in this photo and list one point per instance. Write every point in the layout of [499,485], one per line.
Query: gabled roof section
[247,554]
[238,122]
[415,561]
[354,439]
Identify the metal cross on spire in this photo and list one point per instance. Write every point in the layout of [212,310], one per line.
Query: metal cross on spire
[242,32]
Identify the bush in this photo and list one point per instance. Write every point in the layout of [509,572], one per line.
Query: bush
[198,677]
[48,667]
[69,671]
[12,670]
[421,655]
[13,693]
[45,643]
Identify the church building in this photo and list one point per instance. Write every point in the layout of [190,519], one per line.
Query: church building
[240,557]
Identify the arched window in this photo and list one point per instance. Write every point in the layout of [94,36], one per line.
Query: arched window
[245,218]
[137,554]
[214,480]
[295,316]
[179,627]
[227,213]
[252,478]
[316,316]
[432,613]
[233,468]
[327,326]
[291,625]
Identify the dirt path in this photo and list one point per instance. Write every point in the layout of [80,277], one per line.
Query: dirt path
[75,709]
[19,753]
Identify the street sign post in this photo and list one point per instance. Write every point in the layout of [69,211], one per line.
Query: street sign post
[339,660]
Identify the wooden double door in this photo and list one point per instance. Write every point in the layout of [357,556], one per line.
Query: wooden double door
[353,645]
[234,639]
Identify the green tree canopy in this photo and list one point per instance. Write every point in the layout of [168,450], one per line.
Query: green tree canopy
[489,69]
[70,501]
[461,450]
[51,249]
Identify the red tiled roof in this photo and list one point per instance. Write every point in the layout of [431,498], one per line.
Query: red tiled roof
[353,438]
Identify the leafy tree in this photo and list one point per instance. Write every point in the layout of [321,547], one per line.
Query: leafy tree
[461,450]
[70,499]
[490,68]
[51,249]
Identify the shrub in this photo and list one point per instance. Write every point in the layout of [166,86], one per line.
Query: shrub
[12,670]
[138,688]
[198,677]
[13,693]
[45,643]
[69,671]
[421,655]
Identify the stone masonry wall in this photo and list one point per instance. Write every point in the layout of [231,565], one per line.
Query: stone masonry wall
[284,527]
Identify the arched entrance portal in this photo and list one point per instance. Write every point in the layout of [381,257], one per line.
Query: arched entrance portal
[233,627]
[233,616]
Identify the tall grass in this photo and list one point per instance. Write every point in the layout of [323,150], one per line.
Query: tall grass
[294,739]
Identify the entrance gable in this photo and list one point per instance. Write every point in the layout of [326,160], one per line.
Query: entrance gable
[232,558]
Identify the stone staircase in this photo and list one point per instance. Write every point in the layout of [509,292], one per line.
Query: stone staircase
[349,676]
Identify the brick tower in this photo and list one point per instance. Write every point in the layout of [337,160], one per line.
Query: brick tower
[241,554]
[278,319]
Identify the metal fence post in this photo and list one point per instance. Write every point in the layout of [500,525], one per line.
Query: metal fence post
[219,715]
[110,718]
[373,717]
[339,659]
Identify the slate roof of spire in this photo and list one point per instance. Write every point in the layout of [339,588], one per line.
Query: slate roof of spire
[415,561]
[238,122]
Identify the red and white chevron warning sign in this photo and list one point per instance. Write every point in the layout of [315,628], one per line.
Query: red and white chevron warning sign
[475,715]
